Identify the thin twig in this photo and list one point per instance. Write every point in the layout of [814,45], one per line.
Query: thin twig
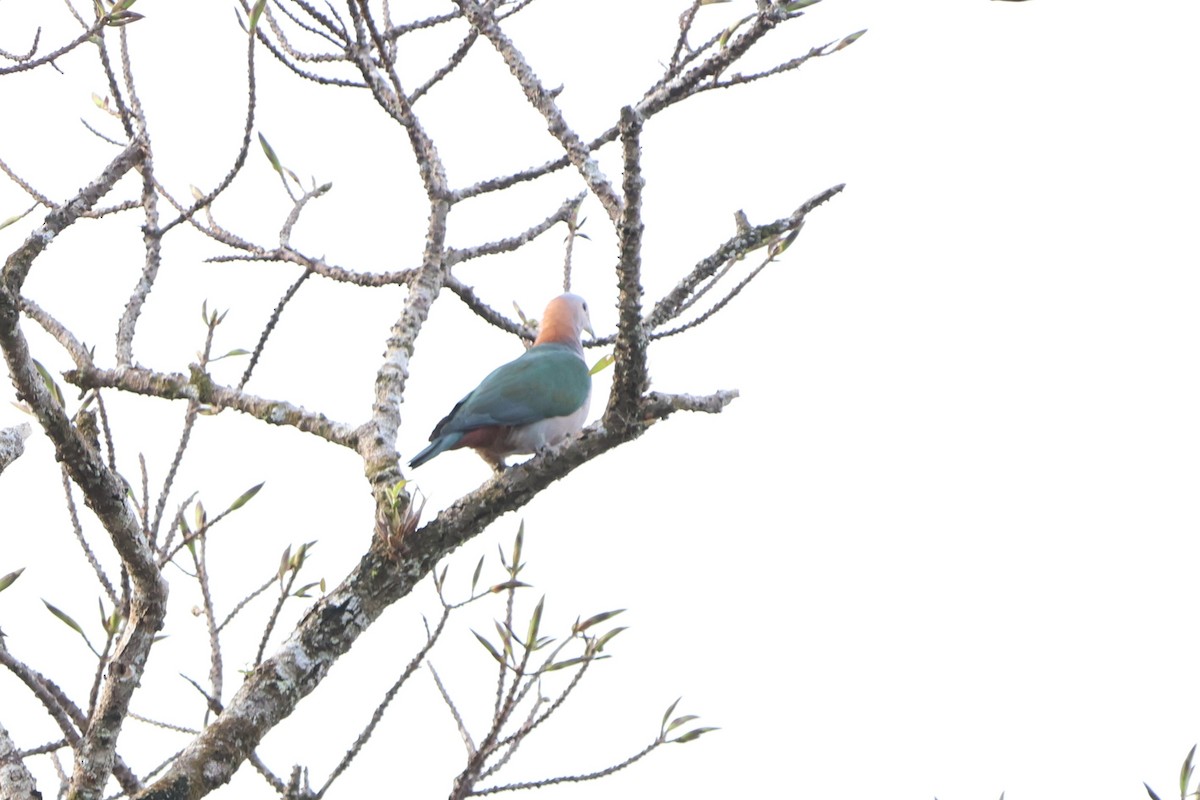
[272,321]
[23,66]
[88,553]
[430,640]
[591,776]
[245,601]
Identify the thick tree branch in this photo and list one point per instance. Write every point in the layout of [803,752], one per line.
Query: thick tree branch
[630,377]
[15,781]
[69,718]
[12,443]
[18,264]
[103,489]
[200,388]
[335,622]
[79,354]
[378,445]
[395,563]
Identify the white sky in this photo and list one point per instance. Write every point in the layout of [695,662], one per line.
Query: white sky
[945,542]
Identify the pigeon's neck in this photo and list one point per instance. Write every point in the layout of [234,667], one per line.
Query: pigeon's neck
[554,331]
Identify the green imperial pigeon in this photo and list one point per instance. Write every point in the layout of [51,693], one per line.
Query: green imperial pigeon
[537,400]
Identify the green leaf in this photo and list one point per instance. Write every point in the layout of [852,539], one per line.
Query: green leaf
[732,29]
[15,218]
[506,638]
[303,590]
[1185,773]
[298,559]
[667,715]
[395,492]
[779,246]
[595,619]
[535,622]
[490,648]
[201,516]
[120,18]
[245,497]
[684,720]
[51,386]
[796,5]
[604,363]
[111,623]
[603,640]
[475,577]
[255,13]
[500,587]
[285,562]
[72,624]
[517,544]
[693,735]
[8,579]
[274,159]
[570,662]
[521,316]
[849,40]
[1150,791]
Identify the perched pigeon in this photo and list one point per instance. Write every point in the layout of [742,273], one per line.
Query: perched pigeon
[536,400]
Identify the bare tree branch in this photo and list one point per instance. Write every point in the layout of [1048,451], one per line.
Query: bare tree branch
[744,242]
[200,388]
[630,379]
[328,630]
[19,262]
[12,443]
[482,20]
[23,65]
[15,781]
[103,489]
[362,37]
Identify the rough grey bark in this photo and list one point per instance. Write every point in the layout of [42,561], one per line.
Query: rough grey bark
[12,443]
[361,41]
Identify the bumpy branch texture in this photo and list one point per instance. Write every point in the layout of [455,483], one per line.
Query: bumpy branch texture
[12,443]
[103,489]
[349,48]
